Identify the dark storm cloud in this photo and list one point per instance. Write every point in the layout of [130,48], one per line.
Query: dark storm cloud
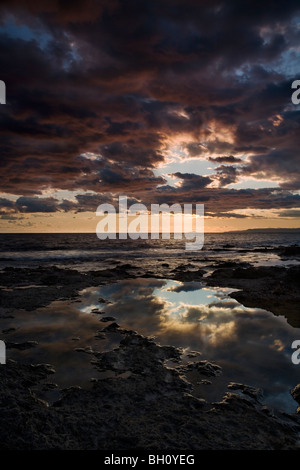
[278,163]
[35,204]
[117,79]
[229,159]
[191,181]
[226,175]
[222,200]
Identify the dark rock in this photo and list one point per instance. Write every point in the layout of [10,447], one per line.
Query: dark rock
[100,335]
[152,408]
[112,327]
[97,311]
[206,368]
[49,386]
[274,288]
[293,250]
[21,346]
[87,350]
[8,330]
[295,392]
[252,392]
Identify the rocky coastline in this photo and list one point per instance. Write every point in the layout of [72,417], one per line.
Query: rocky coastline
[146,400]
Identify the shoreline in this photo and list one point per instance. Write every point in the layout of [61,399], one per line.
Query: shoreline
[145,403]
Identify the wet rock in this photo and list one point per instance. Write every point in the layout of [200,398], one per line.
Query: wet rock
[193,354]
[149,408]
[141,355]
[235,402]
[4,316]
[111,328]
[206,368]
[47,284]
[293,250]
[276,289]
[127,266]
[97,311]
[8,330]
[100,335]
[49,386]
[233,264]
[295,392]
[182,274]
[87,350]
[252,392]
[21,346]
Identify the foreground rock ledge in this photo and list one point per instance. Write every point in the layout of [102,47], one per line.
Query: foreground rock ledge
[147,405]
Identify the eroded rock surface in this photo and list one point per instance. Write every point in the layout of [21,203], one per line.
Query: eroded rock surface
[145,404]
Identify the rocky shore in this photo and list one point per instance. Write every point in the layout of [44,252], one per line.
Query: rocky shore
[144,399]
[276,289]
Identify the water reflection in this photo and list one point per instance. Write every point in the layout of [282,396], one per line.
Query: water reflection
[59,329]
[252,345]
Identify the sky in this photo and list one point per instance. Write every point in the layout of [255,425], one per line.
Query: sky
[167,101]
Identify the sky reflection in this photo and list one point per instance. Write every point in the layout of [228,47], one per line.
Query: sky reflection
[252,345]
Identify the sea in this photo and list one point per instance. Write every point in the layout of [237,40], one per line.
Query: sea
[85,250]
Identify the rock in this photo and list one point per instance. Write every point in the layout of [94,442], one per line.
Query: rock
[49,386]
[112,327]
[295,392]
[97,311]
[273,288]
[290,250]
[126,266]
[150,407]
[100,335]
[21,346]
[8,330]
[87,350]
[252,392]
[233,264]
[105,319]
[193,354]
[206,368]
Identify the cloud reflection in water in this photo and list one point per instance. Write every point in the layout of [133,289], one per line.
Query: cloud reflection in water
[252,345]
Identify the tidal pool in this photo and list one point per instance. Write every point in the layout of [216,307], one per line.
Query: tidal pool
[252,345]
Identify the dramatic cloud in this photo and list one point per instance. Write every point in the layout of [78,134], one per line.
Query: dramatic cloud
[229,159]
[101,94]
